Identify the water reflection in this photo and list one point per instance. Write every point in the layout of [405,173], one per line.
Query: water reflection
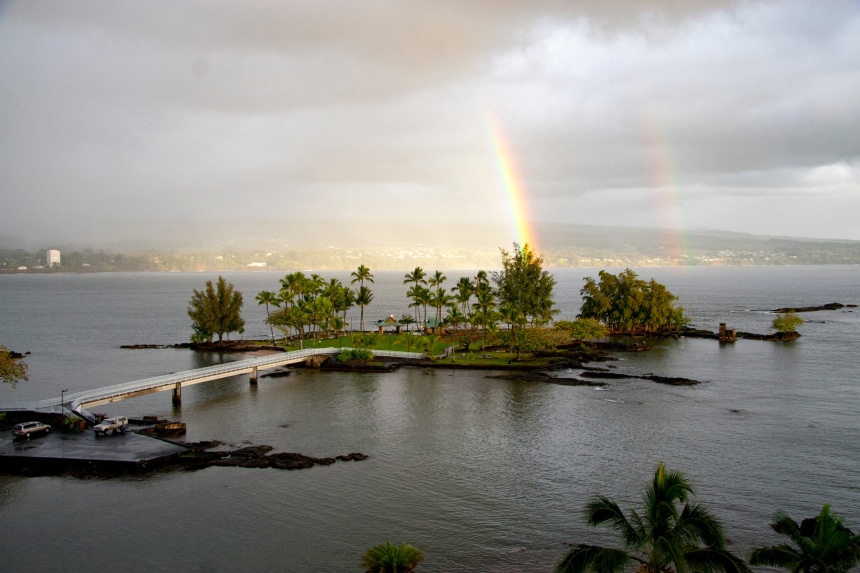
[11,488]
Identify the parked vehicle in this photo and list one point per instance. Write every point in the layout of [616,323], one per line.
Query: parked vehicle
[112,425]
[24,429]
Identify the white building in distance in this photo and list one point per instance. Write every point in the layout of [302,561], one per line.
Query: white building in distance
[53,257]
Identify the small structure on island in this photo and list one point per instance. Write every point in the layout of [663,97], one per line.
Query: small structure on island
[727,335]
[433,326]
[389,322]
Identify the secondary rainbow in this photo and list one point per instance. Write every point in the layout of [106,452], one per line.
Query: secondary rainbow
[515,193]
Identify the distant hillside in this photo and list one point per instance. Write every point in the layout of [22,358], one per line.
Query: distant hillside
[453,247]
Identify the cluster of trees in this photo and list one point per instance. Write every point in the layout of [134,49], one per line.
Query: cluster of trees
[215,311]
[311,305]
[627,303]
[520,295]
[665,536]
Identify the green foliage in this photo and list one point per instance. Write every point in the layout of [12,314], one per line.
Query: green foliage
[661,536]
[524,290]
[216,311]
[363,297]
[388,558]
[12,367]
[823,545]
[268,298]
[72,423]
[582,328]
[313,306]
[525,287]
[355,354]
[534,339]
[625,302]
[787,322]
[365,340]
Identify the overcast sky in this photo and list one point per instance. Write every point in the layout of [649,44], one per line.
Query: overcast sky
[126,119]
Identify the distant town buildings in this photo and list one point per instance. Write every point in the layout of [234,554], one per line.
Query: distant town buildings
[53,258]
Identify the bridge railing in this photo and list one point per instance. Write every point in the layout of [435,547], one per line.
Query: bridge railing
[218,370]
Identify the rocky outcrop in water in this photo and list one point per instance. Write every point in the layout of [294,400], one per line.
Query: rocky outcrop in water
[202,456]
[828,306]
[670,380]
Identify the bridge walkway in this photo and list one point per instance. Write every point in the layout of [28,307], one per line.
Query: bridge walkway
[80,401]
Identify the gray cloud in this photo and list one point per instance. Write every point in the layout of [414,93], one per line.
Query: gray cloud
[124,119]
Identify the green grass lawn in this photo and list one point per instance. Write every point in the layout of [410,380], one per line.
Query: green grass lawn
[411,343]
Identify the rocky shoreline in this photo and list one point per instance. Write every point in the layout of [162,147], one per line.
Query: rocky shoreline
[197,456]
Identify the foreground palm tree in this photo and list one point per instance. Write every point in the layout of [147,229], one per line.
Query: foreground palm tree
[824,545]
[664,538]
[388,558]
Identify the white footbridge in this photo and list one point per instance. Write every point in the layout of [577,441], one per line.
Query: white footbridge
[78,402]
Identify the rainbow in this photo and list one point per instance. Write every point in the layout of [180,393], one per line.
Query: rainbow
[662,174]
[517,204]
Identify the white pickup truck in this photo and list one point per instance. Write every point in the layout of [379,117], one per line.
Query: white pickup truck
[113,425]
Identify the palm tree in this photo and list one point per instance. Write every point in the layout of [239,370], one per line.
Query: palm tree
[388,558]
[436,281]
[665,538]
[440,298]
[424,297]
[824,545]
[484,310]
[267,297]
[455,318]
[348,302]
[416,277]
[361,274]
[363,297]
[407,319]
[465,289]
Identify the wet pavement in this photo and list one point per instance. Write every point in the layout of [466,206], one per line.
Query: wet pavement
[129,447]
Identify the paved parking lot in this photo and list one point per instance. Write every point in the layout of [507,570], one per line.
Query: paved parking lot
[128,447]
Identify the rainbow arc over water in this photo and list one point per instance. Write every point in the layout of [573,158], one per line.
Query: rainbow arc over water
[663,175]
[515,193]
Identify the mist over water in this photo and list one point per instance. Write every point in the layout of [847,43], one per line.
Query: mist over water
[481,474]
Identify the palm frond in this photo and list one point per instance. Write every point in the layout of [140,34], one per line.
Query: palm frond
[782,556]
[602,510]
[712,560]
[665,551]
[593,559]
[823,543]
[783,524]
[389,558]
[698,525]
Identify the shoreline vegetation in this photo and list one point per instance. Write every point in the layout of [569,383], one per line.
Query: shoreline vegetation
[499,321]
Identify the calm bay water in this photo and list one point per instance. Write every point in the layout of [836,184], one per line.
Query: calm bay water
[481,474]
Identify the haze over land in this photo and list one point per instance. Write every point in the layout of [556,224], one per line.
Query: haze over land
[302,124]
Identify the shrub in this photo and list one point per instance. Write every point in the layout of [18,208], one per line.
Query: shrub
[355,354]
[787,322]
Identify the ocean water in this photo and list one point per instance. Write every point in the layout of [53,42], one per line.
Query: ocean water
[481,474]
